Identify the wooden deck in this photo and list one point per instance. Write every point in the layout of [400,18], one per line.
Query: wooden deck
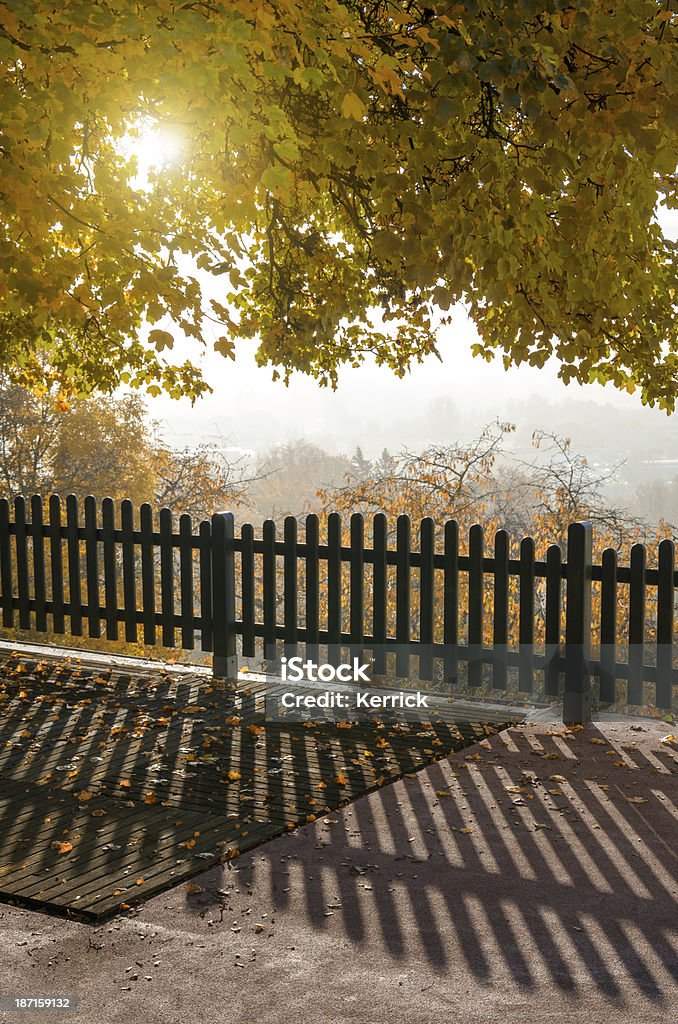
[115,786]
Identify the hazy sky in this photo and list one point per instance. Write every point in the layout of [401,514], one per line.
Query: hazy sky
[450,399]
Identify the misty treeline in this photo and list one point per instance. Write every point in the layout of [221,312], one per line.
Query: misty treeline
[108,447]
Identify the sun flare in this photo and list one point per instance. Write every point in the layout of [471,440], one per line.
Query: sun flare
[154,147]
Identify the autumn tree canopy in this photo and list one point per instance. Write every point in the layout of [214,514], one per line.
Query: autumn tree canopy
[335,159]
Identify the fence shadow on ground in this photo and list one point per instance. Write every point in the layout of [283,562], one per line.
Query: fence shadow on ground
[573,884]
[115,787]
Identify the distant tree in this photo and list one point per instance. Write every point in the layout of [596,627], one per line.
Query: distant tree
[198,480]
[361,468]
[108,448]
[385,465]
[289,477]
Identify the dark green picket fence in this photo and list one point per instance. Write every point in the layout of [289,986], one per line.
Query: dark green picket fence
[201,585]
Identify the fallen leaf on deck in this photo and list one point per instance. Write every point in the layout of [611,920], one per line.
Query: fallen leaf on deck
[61,847]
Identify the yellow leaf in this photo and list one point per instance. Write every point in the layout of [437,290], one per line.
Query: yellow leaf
[98,813]
[61,847]
[353,107]
[125,784]
[466,831]
[84,795]
[341,779]
[150,798]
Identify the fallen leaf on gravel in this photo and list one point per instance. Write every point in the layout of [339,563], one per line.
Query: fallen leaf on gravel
[557,778]
[193,889]
[443,792]
[516,789]
[594,739]
[466,831]
[668,740]
[637,800]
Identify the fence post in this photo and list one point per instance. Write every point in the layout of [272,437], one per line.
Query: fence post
[225,656]
[577,691]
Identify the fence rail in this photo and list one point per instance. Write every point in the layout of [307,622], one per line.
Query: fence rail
[427,608]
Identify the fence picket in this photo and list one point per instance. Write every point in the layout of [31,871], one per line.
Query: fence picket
[270,589]
[166,577]
[636,624]
[249,649]
[129,575]
[665,619]
[56,563]
[92,568]
[357,586]
[39,574]
[110,572]
[205,556]
[334,588]
[552,617]
[526,617]
[6,575]
[290,587]
[312,584]
[500,625]
[426,596]
[379,592]
[74,573]
[147,572]
[476,546]
[451,602]
[403,598]
[608,626]
[20,539]
[186,581]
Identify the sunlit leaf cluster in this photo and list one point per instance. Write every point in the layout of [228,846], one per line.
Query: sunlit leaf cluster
[348,172]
